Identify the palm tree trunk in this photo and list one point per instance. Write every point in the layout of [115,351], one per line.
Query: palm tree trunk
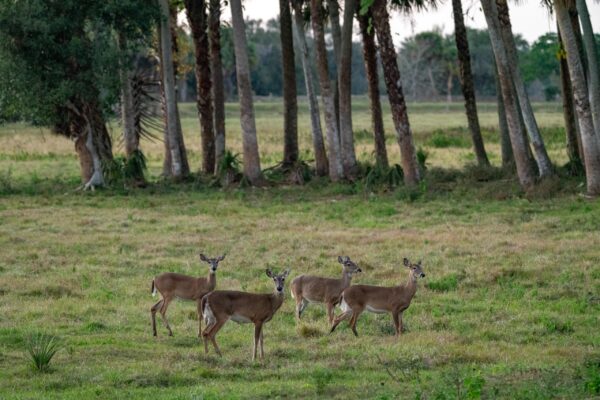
[336,171]
[198,20]
[381,23]
[573,141]
[541,155]
[518,143]
[591,51]
[589,139]
[333,7]
[250,144]
[313,103]
[216,71]
[177,168]
[370,57]
[466,82]
[345,86]
[290,104]
[130,138]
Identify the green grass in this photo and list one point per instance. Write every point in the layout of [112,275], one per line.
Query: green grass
[510,306]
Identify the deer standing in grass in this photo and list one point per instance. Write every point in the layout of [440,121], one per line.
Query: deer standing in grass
[242,307]
[315,289]
[377,299]
[172,285]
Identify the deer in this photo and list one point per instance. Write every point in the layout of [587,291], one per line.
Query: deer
[172,285]
[378,299]
[315,289]
[242,307]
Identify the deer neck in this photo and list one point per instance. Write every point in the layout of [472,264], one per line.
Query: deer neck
[346,279]
[276,300]
[410,288]
[212,280]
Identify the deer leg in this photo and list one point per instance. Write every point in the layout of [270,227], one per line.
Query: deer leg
[213,332]
[262,350]
[257,333]
[163,313]
[330,315]
[353,321]
[200,316]
[343,316]
[395,316]
[153,311]
[400,324]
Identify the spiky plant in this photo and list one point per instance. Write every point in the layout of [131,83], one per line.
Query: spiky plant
[41,348]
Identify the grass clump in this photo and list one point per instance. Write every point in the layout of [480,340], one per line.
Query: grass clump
[444,284]
[440,139]
[41,348]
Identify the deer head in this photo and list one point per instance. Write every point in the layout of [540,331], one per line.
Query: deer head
[212,262]
[415,269]
[279,279]
[348,265]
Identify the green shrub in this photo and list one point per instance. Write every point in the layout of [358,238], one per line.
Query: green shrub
[440,139]
[444,284]
[41,348]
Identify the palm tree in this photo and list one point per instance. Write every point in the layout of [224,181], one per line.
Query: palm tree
[370,58]
[175,161]
[592,62]
[517,139]
[250,144]
[381,23]
[344,86]
[216,71]
[543,161]
[198,20]
[466,81]
[290,104]
[589,139]
[505,147]
[336,171]
[333,10]
[313,103]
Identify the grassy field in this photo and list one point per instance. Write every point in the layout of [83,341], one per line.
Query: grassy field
[510,307]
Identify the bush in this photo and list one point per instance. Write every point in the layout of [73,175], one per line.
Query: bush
[440,139]
[41,348]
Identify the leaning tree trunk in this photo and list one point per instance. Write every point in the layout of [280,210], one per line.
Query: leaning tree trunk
[336,171]
[313,103]
[574,150]
[345,91]
[178,167]
[541,155]
[505,146]
[591,52]
[466,82]
[250,144]
[370,58]
[198,20]
[519,145]
[589,139]
[290,102]
[216,70]
[333,8]
[381,23]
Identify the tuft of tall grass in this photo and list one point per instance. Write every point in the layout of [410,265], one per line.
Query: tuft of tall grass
[41,348]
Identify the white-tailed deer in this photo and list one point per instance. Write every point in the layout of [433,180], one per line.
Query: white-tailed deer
[379,299]
[242,307]
[172,285]
[315,289]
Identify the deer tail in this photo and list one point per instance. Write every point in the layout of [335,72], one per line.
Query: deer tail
[153,289]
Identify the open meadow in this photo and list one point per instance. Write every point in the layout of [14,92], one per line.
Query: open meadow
[509,307]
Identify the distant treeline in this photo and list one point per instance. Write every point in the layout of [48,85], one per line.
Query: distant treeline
[428,63]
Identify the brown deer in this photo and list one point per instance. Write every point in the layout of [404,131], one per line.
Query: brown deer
[315,289]
[172,285]
[379,299]
[242,307]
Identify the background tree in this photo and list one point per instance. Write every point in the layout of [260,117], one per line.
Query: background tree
[216,70]
[593,71]
[252,169]
[290,105]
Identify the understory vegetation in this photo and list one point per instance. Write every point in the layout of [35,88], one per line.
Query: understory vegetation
[510,306]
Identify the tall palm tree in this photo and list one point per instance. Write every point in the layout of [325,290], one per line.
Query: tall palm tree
[216,70]
[290,104]
[333,10]
[466,81]
[381,23]
[176,159]
[336,171]
[593,71]
[370,58]
[250,143]
[321,163]
[505,147]
[519,145]
[198,21]
[345,86]
[589,140]
[543,161]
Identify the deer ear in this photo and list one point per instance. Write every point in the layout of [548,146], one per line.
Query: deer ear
[406,262]
[222,257]
[419,263]
[286,273]
[203,257]
[340,259]
[269,273]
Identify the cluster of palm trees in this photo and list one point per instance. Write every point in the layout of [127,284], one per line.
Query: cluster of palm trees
[522,143]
